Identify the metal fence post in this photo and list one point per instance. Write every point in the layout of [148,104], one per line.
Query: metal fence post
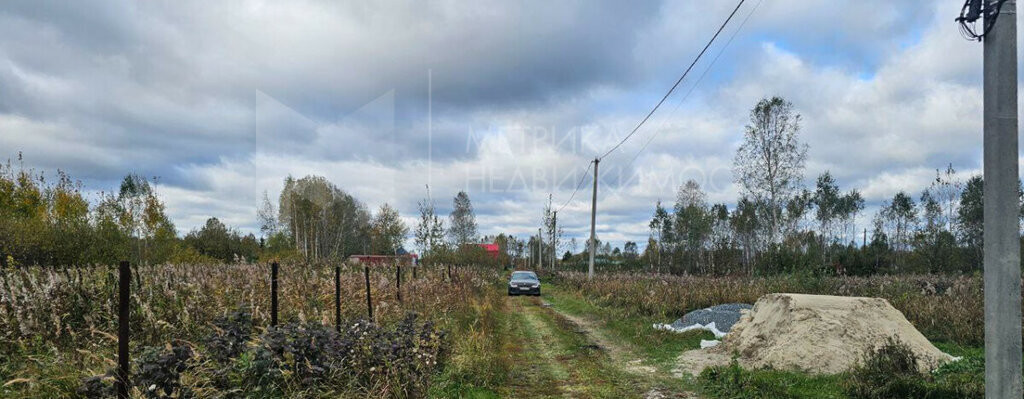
[273,294]
[123,312]
[369,301]
[398,282]
[337,298]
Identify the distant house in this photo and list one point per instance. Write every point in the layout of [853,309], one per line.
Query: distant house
[492,249]
[405,259]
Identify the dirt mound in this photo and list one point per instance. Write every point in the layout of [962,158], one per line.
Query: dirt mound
[815,333]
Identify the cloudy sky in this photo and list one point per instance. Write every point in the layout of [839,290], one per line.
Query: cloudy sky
[508,101]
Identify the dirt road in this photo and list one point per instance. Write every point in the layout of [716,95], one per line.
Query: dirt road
[570,356]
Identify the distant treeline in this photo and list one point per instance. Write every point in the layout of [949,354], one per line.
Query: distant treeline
[939,233]
[778,225]
[52,222]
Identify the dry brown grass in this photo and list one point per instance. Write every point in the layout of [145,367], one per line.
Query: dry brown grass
[944,308]
[58,326]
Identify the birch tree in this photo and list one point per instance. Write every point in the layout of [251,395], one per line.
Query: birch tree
[769,165]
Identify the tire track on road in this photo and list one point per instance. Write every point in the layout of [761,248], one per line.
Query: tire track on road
[649,377]
[579,368]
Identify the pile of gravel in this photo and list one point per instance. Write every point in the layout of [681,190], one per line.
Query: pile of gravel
[724,316]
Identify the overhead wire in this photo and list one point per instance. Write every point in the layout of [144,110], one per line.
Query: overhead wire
[578,185]
[678,81]
[696,83]
[669,93]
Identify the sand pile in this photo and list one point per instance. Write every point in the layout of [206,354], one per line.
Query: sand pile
[814,333]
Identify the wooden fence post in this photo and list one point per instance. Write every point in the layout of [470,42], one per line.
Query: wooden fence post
[273,294]
[123,313]
[369,301]
[337,298]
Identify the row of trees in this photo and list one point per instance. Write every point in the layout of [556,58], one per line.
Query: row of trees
[317,221]
[320,221]
[51,222]
[779,225]
[456,242]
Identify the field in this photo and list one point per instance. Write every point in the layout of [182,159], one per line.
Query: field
[203,331]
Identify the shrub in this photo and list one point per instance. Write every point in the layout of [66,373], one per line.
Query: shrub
[887,372]
[159,371]
[231,333]
[733,381]
[309,352]
[157,375]
[99,386]
[890,372]
[294,357]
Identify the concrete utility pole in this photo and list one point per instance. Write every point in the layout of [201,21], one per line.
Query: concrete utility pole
[533,256]
[554,233]
[1001,245]
[593,220]
[540,250]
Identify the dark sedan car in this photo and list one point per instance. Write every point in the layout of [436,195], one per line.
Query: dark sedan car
[524,283]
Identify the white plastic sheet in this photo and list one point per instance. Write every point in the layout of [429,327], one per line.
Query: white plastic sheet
[709,327]
[704,344]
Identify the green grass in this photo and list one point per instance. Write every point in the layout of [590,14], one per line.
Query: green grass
[732,381]
[514,348]
[964,378]
[659,347]
[565,361]
[483,339]
[39,370]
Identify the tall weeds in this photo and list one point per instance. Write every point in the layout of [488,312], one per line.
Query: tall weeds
[944,308]
[59,326]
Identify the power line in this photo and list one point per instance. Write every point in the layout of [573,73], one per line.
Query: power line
[680,80]
[578,185]
[697,82]
[685,73]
